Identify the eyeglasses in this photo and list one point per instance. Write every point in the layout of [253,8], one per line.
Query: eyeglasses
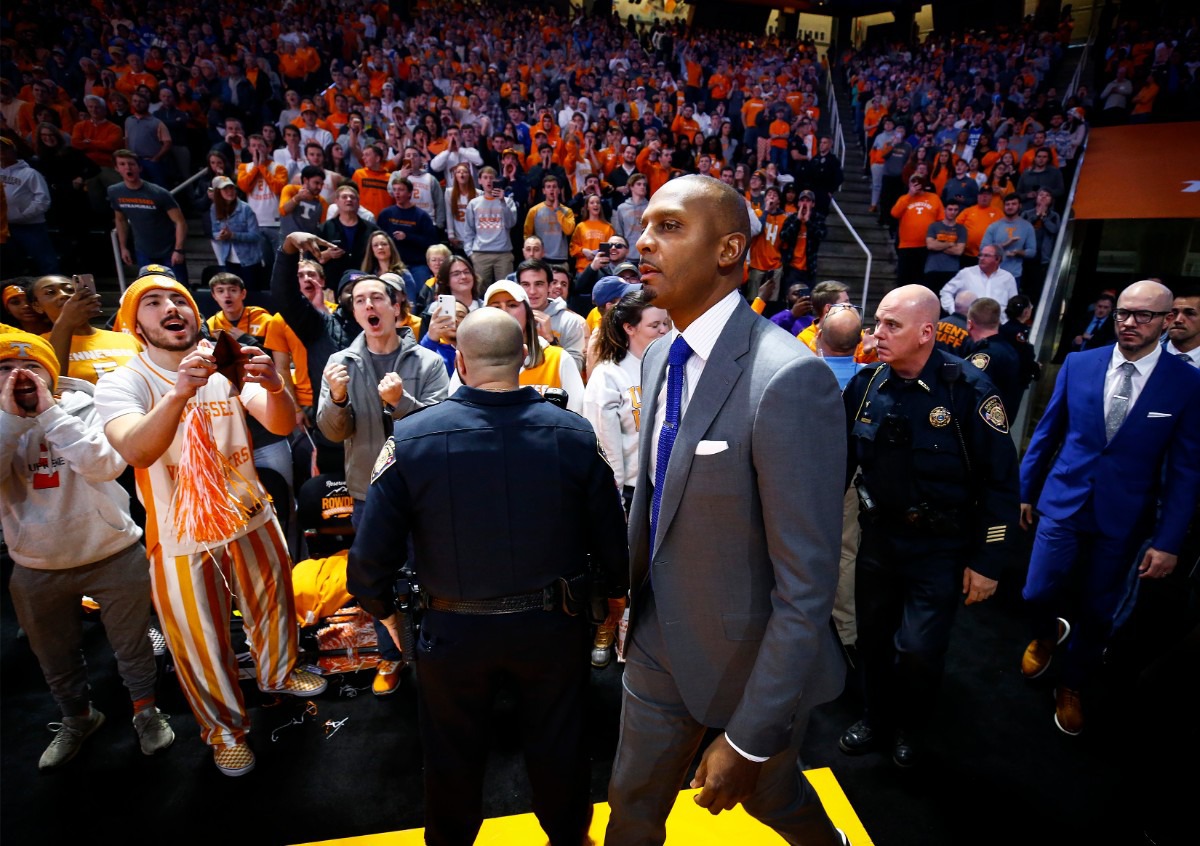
[1141,318]
[835,306]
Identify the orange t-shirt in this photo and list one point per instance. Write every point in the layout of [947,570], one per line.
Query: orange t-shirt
[915,213]
[764,254]
[976,220]
[779,127]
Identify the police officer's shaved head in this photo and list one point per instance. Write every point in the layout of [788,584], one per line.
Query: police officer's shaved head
[918,300]
[491,348]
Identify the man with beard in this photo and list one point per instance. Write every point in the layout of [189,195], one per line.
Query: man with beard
[146,406]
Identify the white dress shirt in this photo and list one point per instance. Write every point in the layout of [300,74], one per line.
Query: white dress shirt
[701,336]
[1193,356]
[1001,286]
[1112,378]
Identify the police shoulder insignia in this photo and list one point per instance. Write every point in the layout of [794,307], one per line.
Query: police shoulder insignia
[992,412]
[980,360]
[940,417]
[387,457]
[600,449]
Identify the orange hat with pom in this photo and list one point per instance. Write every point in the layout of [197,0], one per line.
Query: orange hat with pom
[127,311]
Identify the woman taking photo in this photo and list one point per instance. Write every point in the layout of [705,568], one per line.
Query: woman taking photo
[590,233]
[456,277]
[236,241]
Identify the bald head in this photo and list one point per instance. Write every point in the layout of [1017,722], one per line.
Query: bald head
[905,331]
[491,348]
[840,331]
[724,205]
[963,300]
[1146,294]
[916,300]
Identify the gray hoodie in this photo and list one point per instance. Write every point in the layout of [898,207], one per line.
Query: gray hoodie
[360,422]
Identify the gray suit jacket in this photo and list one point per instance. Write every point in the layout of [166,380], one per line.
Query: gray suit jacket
[746,559]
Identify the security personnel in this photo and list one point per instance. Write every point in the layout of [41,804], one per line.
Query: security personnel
[993,353]
[938,502]
[504,598]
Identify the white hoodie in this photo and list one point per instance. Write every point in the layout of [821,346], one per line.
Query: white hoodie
[26,192]
[59,503]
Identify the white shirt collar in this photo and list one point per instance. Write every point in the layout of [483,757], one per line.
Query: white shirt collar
[1194,355]
[703,332]
[1144,365]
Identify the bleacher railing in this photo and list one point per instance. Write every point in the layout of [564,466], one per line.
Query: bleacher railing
[116,243]
[839,149]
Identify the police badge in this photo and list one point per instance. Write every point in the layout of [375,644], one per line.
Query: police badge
[939,417]
[992,412]
[980,360]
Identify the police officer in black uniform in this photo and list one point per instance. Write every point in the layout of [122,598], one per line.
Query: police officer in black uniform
[938,503]
[505,497]
[993,353]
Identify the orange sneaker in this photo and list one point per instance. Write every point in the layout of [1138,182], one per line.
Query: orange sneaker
[236,760]
[387,678]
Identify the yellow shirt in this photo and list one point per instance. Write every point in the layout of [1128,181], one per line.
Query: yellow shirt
[281,338]
[94,355]
[547,374]
[252,322]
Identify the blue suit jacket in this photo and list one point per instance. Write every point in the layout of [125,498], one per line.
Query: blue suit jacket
[1069,458]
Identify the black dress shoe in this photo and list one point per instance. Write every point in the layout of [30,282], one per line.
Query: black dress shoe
[904,755]
[859,739]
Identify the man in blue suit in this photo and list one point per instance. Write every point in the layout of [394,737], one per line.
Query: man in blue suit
[1118,415]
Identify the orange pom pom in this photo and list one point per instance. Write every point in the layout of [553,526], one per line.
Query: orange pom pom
[212,500]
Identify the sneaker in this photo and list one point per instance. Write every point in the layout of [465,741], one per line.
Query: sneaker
[904,755]
[68,738]
[859,739]
[387,678]
[154,732]
[1040,653]
[1068,713]
[235,760]
[601,654]
[158,641]
[301,683]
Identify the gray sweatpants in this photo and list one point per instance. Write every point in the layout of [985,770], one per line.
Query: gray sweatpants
[47,606]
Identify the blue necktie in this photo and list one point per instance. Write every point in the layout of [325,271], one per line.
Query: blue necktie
[676,359]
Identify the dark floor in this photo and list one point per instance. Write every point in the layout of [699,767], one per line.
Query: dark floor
[996,769]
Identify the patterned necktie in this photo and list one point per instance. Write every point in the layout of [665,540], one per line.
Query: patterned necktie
[1120,401]
[1185,357]
[676,359]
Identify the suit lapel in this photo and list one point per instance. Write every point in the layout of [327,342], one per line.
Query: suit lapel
[721,372]
[1157,381]
[1094,369]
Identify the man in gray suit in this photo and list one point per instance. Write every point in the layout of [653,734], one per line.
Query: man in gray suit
[734,536]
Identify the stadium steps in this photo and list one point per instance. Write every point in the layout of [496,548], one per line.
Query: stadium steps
[841,257]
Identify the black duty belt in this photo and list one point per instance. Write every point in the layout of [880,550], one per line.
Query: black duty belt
[566,595]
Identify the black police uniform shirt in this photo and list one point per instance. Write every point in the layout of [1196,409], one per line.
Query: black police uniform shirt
[502,493]
[909,437]
[997,358]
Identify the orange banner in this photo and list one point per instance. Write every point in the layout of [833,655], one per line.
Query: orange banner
[1143,171]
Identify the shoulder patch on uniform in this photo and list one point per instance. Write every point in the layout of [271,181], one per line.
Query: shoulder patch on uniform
[980,360]
[992,412]
[387,457]
[600,449]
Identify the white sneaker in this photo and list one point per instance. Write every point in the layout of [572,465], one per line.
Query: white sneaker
[68,738]
[154,732]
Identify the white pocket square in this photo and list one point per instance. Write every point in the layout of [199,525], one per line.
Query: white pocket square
[1158,414]
[711,447]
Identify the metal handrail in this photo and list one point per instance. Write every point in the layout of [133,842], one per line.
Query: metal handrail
[1073,86]
[835,121]
[1059,261]
[116,242]
[854,234]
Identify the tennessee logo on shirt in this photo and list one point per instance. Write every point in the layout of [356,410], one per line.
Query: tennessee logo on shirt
[635,398]
[45,472]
